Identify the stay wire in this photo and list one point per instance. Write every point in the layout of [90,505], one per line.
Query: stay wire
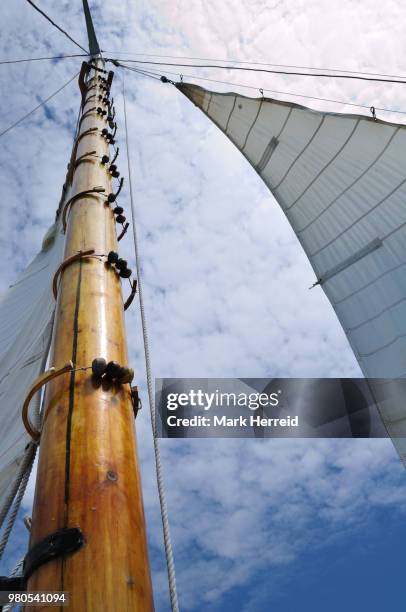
[57,26]
[42,103]
[267,71]
[228,61]
[37,59]
[157,451]
[153,75]
[274,91]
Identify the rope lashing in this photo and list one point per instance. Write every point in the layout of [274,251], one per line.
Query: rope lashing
[121,219]
[75,198]
[65,264]
[118,211]
[109,136]
[42,380]
[121,266]
[112,371]
[113,171]
[105,100]
[124,272]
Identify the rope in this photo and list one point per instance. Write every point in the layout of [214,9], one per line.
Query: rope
[16,571]
[16,123]
[20,484]
[233,61]
[10,497]
[17,502]
[37,59]
[274,91]
[266,70]
[57,26]
[158,464]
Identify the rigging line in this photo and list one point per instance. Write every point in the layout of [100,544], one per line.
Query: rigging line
[16,123]
[153,75]
[57,26]
[37,59]
[18,499]
[16,571]
[284,93]
[157,452]
[210,59]
[8,502]
[265,70]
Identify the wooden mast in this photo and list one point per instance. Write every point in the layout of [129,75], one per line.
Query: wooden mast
[88,475]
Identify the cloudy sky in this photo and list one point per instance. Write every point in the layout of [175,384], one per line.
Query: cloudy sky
[256,525]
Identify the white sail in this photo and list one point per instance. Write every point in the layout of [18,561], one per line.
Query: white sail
[26,313]
[341,182]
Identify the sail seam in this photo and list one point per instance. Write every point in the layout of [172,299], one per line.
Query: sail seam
[300,154]
[375,280]
[299,231]
[253,124]
[347,229]
[231,112]
[348,139]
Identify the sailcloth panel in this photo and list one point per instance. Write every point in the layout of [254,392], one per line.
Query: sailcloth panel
[341,182]
[26,313]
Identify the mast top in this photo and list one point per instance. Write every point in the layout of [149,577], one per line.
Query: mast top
[93,43]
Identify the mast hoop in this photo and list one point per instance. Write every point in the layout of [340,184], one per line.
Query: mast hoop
[89,98]
[42,380]
[86,157]
[87,114]
[65,264]
[86,133]
[75,198]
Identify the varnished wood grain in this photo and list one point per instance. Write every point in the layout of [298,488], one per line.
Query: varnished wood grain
[88,473]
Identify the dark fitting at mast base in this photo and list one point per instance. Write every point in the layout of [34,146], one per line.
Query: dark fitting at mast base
[53,546]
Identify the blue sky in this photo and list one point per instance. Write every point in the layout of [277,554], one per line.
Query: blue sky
[257,525]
